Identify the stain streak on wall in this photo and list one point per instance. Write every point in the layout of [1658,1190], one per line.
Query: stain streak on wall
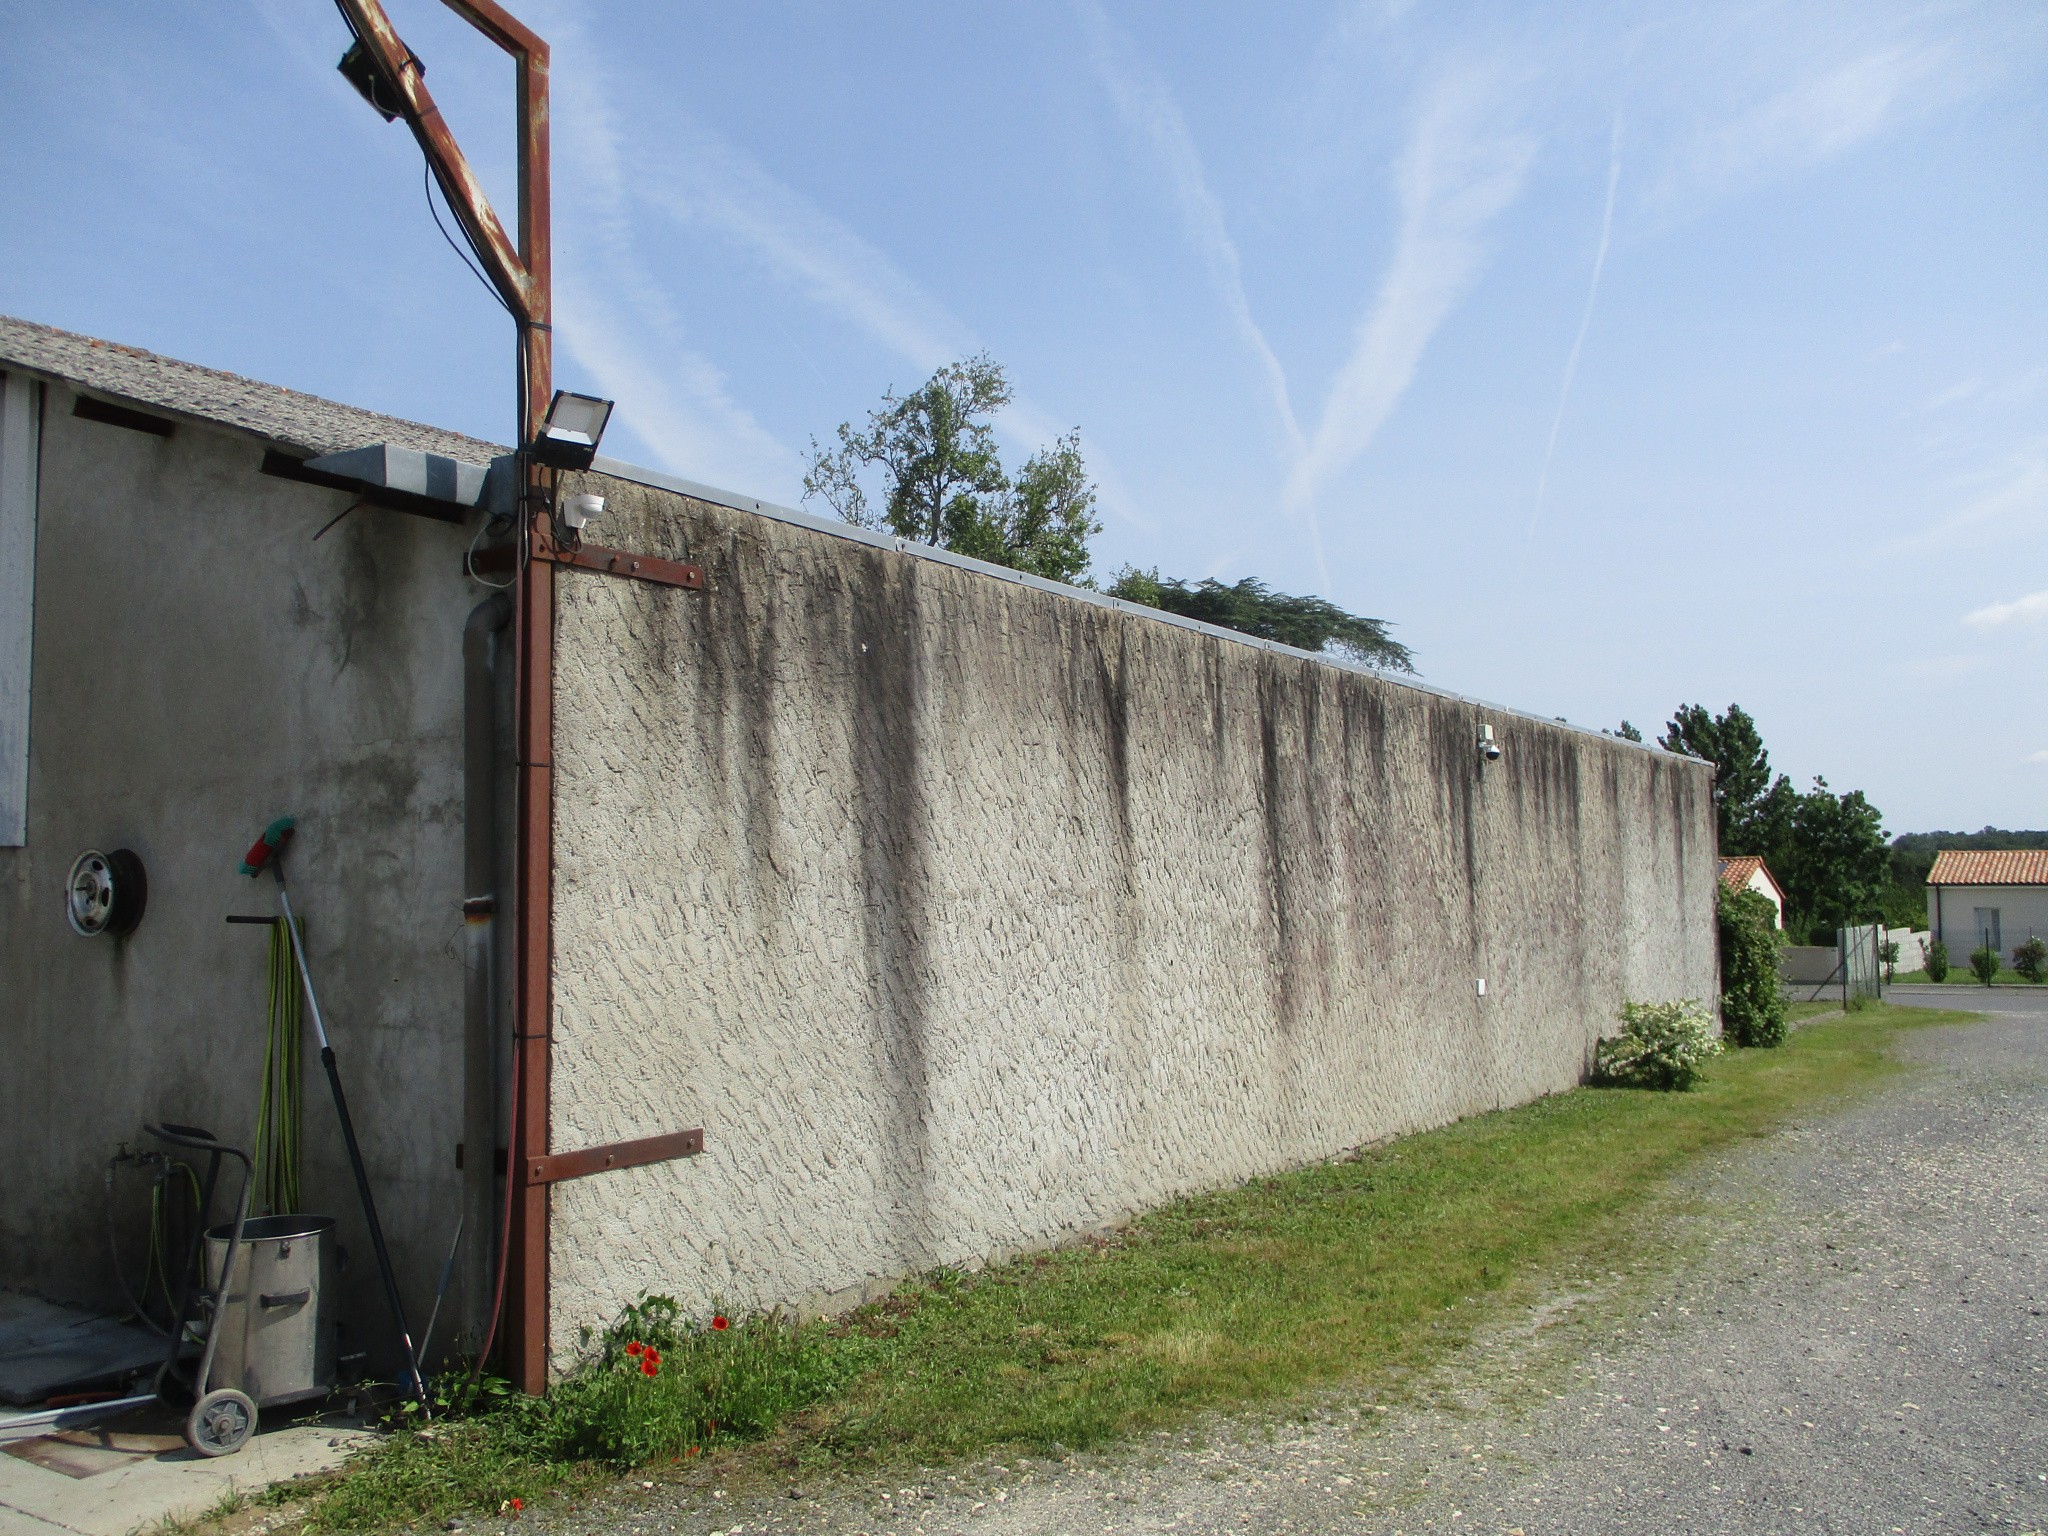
[966,917]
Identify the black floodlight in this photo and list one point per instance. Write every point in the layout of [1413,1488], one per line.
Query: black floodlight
[568,438]
[359,67]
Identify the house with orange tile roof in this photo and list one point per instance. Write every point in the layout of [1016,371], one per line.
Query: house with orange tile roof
[1747,872]
[1994,896]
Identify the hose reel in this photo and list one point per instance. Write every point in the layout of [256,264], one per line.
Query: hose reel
[106,893]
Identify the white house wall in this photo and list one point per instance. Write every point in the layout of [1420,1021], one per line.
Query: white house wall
[2023,914]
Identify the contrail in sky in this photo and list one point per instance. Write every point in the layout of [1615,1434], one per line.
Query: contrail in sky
[1571,364]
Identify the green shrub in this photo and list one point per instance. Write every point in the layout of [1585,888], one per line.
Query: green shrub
[1661,1045]
[1888,956]
[2031,960]
[1984,964]
[1752,1002]
[1937,961]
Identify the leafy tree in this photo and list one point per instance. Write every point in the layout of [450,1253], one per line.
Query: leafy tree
[1984,964]
[1752,1003]
[2031,960]
[943,479]
[1827,850]
[1836,865]
[1251,607]
[1937,961]
[1742,776]
[1629,732]
[1042,523]
[1888,955]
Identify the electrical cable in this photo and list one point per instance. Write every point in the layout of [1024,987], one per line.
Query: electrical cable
[427,181]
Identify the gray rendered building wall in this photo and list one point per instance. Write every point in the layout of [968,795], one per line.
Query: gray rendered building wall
[966,916]
[201,666]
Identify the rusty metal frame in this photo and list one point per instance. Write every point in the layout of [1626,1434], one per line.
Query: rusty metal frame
[522,273]
[620,1154]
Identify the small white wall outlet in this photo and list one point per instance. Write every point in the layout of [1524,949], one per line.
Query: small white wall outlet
[1481,981]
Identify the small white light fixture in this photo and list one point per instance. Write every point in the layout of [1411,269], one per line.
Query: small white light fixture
[1489,749]
[578,510]
[568,439]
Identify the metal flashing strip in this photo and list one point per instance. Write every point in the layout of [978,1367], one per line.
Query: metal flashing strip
[390,467]
[656,479]
[285,466]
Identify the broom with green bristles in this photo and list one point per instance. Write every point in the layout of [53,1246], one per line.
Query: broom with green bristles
[267,852]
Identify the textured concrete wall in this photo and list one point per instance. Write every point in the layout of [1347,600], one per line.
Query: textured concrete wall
[201,665]
[964,915]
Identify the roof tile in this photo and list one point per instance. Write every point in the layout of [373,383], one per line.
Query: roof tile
[1990,866]
[283,416]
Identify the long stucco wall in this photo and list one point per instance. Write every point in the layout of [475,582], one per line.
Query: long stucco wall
[965,916]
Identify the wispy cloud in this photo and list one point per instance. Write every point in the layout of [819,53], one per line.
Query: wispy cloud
[2013,499]
[2020,612]
[701,180]
[1808,121]
[616,319]
[1459,173]
[2038,757]
[681,173]
[1149,111]
[1571,363]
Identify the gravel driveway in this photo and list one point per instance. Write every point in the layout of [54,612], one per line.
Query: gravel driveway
[1861,1349]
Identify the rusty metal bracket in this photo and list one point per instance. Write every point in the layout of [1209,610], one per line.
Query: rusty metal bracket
[557,1166]
[594,557]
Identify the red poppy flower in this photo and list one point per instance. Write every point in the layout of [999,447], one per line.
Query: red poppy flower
[648,1367]
[654,1355]
[635,1347]
[518,1505]
[720,1323]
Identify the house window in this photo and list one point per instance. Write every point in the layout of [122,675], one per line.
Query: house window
[20,406]
[1987,929]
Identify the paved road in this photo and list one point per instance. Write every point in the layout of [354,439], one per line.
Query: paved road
[1864,1352]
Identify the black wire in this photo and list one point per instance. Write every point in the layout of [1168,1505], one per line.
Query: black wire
[427,181]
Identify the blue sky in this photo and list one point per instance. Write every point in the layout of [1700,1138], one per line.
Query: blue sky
[1621,355]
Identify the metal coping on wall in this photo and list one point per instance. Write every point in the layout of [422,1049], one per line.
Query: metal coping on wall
[618,469]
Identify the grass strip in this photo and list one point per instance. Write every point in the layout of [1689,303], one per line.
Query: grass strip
[1352,1271]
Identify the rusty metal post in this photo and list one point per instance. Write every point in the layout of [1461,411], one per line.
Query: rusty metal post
[523,275]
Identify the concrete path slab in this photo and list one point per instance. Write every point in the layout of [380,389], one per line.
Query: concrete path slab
[136,1471]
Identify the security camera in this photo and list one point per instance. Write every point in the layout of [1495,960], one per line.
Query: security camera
[578,510]
[1488,747]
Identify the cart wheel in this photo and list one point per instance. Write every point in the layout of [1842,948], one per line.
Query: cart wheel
[220,1423]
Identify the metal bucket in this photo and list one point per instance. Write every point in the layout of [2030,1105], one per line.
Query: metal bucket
[277,1325]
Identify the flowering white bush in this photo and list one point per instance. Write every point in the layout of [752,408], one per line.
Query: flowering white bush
[1661,1045]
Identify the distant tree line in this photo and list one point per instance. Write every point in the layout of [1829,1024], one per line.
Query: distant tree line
[926,467]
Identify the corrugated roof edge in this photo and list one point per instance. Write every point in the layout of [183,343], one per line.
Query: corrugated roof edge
[288,417]
[618,469]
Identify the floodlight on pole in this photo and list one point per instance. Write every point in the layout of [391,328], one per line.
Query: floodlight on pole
[568,438]
[520,271]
